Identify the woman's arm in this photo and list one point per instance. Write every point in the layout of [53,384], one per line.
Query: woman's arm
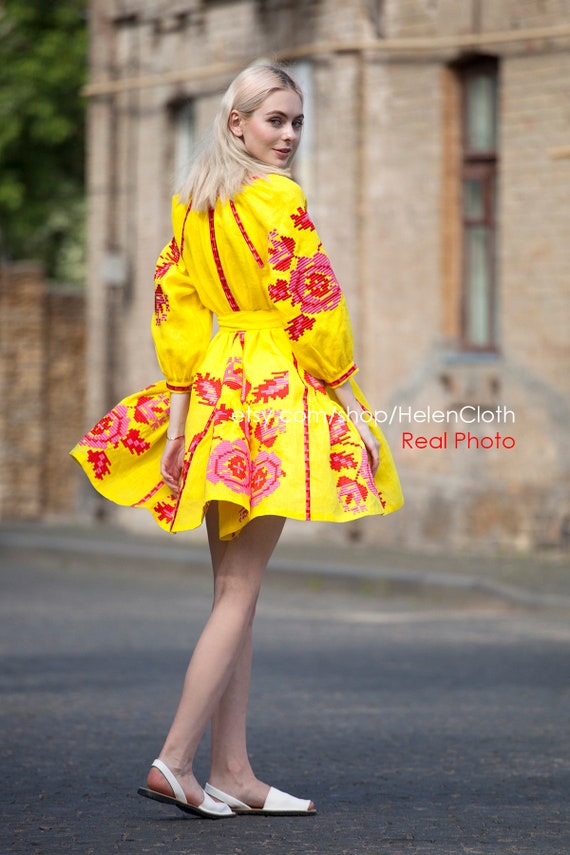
[354,411]
[173,454]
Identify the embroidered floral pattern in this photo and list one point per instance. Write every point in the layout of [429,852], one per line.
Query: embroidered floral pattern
[100,463]
[310,285]
[229,464]
[313,285]
[120,427]
[302,220]
[266,475]
[277,386]
[149,410]
[353,493]
[349,457]
[281,251]
[161,305]
[269,427]
[207,388]
[263,435]
[299,325]
[109,430]
[169,256]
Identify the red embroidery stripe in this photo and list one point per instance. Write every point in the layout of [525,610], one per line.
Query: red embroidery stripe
[222,276]
[246,237]
[188,209]
[172,388]
[307,460]
[148,496]
[345,376]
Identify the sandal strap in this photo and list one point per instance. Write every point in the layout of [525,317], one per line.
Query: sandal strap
[172,780]
[278,800]
[224,797]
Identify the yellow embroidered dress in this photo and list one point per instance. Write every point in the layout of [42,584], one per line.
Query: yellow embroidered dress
[264,434]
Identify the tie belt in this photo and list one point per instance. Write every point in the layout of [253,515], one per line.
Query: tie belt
[255,320]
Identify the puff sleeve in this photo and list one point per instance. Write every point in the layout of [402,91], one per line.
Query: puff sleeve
[181,324]
[304,289]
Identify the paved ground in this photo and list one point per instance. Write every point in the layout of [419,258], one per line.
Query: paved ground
[421,718]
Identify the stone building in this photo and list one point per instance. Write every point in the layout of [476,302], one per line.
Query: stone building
[436,161]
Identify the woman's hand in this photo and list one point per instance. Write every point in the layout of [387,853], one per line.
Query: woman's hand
[173,455]
[371,443]
[171,463]
[355,413]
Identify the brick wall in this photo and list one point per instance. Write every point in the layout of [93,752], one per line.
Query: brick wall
[42,388]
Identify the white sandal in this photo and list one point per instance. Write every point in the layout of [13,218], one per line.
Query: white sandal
[277,803]
[208,808]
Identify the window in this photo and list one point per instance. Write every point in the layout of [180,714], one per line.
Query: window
[479,167]
[184,139]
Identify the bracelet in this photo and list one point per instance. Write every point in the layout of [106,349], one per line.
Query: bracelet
[172,438]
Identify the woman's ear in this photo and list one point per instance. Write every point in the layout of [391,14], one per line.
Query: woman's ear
[234,124]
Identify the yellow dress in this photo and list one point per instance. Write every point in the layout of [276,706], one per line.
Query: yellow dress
[265,434]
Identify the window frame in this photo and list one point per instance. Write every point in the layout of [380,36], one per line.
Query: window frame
[480,165]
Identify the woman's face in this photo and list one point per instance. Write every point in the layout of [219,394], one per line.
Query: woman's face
[273,132]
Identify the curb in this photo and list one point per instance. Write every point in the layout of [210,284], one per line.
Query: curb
[146,549]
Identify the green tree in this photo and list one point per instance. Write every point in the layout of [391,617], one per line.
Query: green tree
[43,49]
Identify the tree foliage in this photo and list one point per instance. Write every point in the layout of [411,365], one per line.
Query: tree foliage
[43,49]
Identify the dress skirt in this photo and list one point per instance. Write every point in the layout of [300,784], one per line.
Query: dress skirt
[263,437]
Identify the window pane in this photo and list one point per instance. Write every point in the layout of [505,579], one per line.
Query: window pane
[481,112]
[184,141]
[478,286]
[473,199]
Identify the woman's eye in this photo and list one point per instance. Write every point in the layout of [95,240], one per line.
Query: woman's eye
[298,124]
[275,121]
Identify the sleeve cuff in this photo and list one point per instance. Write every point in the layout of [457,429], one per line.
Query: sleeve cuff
[172,388]
[353,368]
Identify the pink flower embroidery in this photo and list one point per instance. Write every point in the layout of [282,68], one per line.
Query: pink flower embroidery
[134,442]
[276,386]
[279,291]
[281,251]
[223,414]
[342,460]
[234,377]
[314,382]
[109,431]
[299,326]
[164,512]
[207,388]
[338,429]
[302,220]
[229,465]
[266,474]
[151,411]
[314,285]
[269,427]
[101,463]
[352,494]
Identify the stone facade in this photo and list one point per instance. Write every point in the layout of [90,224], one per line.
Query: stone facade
[42,387]
[381,168]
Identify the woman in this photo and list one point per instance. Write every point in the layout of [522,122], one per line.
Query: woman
[260,423]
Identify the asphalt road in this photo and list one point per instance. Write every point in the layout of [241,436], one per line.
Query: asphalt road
[415,727]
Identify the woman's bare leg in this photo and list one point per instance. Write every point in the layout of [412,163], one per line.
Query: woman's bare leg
[230,768]
[225,641]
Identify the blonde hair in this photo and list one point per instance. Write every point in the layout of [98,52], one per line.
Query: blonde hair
[223,165]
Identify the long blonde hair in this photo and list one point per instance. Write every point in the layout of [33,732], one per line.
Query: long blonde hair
[224,166]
